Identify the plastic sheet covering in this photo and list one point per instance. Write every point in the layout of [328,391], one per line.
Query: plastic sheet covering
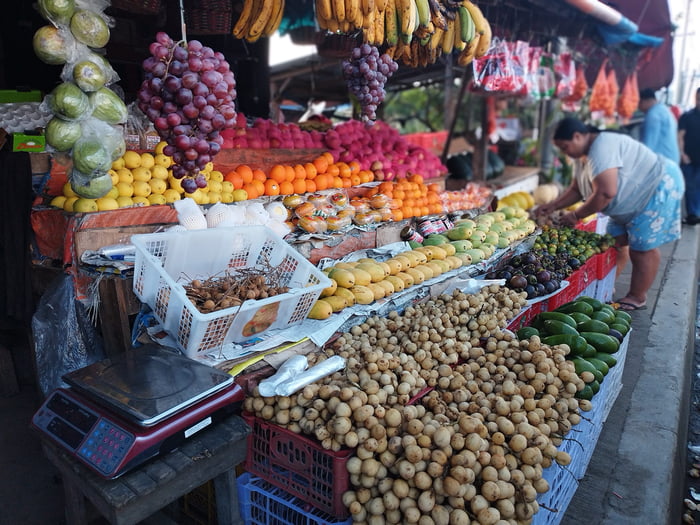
[64,338]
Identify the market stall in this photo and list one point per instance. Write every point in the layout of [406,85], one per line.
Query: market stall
[402,351]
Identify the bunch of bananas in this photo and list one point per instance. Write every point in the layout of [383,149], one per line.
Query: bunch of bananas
[416,32]
[259,18]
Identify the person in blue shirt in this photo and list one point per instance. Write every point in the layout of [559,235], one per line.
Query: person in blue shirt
[660,127]
[689,139]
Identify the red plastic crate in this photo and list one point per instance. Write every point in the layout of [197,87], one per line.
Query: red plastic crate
[606,262]
[589,226]
[298,465]
[520,320]
[565,294]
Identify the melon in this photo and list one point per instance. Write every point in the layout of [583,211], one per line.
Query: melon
[61,134]
[69,102]
[59,12]
[89,28]
[52,45]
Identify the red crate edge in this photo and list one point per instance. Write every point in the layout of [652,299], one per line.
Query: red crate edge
[606,262]
[300,478]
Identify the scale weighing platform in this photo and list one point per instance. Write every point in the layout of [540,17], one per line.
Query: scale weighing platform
[122,411]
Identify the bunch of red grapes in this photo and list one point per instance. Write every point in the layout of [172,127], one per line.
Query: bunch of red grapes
[188,93]
[366,72]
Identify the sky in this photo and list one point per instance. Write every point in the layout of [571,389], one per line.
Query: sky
[682,89]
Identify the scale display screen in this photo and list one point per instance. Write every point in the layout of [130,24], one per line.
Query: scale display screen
[72,413]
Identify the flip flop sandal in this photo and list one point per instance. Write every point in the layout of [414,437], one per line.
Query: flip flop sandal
[629,307]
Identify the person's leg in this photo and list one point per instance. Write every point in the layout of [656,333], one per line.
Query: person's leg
[645,265]
[692,189]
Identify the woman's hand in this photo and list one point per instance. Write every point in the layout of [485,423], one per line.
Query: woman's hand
[545,209]
[569,218]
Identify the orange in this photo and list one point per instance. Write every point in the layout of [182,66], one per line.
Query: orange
[299,185]
[252,190]
[372,191]
[355,179]
[310,185]
[417,178]
[234,178]
[333,169]
[399,194]
[366,176]
[278,173]
[321,164]
[328,156]
[299,171]
[310,170]
[337,182]
[322,182]
[343,169]
[347,182]
[286,188]
[434,187]
[354,165]
[259,185]
[397,215]
[259,175]
[271,187]
[424,210]
[407,211]
[245,172]
[290,173]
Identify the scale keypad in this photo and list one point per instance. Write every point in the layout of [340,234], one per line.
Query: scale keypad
[105,446]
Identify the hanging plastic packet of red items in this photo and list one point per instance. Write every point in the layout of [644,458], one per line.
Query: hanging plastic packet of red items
[565,71]
[502,69]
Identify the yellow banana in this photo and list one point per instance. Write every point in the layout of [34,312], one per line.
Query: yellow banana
[404,9]
[435,38]
[323,9]
[391,29]
[369,31]
[380,5]
[378,27]
[333,25]
[241,27]
[467,55]
[459,43]
[275,18]
[352,11]
[338,7]
[367,7]
[481,26]
[260,20]
[448,37]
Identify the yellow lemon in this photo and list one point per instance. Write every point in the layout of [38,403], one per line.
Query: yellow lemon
[147,160]
[132,159]
[141,201]
[156,199]
[163,160]
[216,175]
[118,164]
[125,175]
[198,196]
[159,172]
[141,173]
[205,189]
[158,186]
[115,176]
[239,195]
[125,189]
[58,201]
[175,184]
[141,188]
[226,187]
[208,167]
[159,147]
[107,203]
[214,186]
[226,197]
[113,193]
[68,203]
[124,201]
[171,195]
[85,205]
[214,196]
[68,191]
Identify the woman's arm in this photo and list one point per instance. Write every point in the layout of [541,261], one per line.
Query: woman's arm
[604,191]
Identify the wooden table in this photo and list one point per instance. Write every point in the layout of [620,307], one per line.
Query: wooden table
[211,454]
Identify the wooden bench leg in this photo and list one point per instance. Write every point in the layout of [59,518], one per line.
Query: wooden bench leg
[76,512]
[227,499]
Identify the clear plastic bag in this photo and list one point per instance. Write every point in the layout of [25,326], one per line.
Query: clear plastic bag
[64,338]
[501,69]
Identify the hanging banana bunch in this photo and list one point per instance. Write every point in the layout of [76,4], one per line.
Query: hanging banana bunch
[259,18]
[416,32]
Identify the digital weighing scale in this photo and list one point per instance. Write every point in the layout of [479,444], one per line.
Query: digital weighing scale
[120,412]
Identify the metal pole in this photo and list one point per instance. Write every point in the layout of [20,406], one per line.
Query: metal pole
[681,89]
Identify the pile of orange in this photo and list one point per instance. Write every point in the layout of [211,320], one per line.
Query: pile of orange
[410,197]
[282,179]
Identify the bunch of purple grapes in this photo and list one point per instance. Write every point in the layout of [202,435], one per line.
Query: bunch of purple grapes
[188,93]
[366,72]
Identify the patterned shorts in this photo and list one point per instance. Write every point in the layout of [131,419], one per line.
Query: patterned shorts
[660,222]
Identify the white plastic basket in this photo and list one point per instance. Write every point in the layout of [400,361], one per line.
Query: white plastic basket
[166,261]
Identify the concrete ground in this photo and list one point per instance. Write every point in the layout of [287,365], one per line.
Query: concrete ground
[635,476]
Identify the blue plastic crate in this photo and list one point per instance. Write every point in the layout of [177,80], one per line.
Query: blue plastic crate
[261,503]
